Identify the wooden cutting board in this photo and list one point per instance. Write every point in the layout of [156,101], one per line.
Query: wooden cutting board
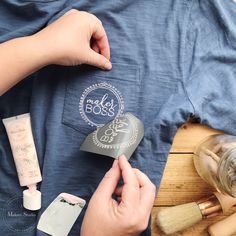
[180,183]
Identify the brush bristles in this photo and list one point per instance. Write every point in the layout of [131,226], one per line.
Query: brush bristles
[174,219]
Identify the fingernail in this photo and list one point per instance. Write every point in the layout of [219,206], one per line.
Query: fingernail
[115,163]
[122,156]
[108,65]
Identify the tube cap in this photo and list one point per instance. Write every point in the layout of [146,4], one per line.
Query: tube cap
[32,200]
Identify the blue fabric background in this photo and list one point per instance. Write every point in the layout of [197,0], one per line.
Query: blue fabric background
[171,59]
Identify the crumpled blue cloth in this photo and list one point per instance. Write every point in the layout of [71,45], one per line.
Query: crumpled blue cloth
[171,60]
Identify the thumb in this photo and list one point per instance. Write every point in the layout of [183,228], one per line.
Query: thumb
[98,60]
[109,182]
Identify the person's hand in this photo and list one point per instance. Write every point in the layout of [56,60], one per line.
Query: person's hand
[129,216]
[75,38]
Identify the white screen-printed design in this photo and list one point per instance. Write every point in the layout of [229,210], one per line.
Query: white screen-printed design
[100,103]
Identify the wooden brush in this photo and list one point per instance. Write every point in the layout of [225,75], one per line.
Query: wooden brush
[173,219]
[225,227]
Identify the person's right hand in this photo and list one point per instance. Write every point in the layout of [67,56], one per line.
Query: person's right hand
[127,217]
[75,38]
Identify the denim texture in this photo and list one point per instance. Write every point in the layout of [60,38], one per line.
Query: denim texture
[172,59]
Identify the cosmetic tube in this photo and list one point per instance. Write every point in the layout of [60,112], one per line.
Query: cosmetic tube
[20,136]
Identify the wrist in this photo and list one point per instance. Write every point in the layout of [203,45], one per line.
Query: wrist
[42,54]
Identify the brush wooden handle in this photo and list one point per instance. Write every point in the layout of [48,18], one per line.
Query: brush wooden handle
[225,227]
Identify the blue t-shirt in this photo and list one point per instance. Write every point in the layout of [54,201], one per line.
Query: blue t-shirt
[171,60]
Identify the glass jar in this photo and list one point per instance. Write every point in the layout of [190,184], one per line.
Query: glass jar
[215,162]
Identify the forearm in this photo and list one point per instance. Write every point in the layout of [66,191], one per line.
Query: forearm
[67,41]
[19,58]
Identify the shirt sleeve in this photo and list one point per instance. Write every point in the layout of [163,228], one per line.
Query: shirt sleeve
[210,63]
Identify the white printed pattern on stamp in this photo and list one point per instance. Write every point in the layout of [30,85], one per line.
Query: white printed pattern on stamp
[114,131]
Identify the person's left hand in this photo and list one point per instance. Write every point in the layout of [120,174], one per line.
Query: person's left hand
[105,216]
[75,38]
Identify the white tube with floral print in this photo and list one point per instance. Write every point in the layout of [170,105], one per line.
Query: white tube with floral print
[21,139]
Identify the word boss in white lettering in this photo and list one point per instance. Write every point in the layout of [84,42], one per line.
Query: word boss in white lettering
[100,103]
[104,107]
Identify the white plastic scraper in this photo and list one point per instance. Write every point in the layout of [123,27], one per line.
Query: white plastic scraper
[61,214]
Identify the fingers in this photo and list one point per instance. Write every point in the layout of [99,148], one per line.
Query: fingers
[101,46]
[118,190]
[98,60]
[100,36]
[109,182]
[98,53]
[127,172]
[130,192]
[147,190]
[95,47]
